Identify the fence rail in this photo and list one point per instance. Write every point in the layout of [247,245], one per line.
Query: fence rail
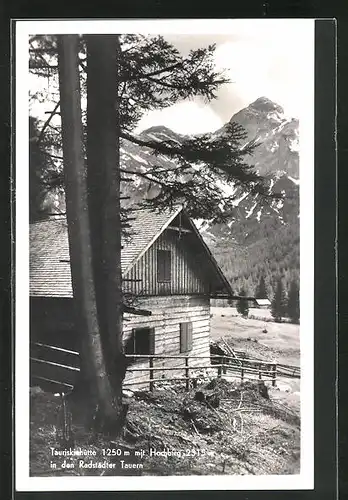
[189,373]
[289,371]
[58,368]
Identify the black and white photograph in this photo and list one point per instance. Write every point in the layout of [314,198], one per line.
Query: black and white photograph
[164,254]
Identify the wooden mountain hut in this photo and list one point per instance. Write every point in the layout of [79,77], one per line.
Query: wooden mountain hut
[165,264]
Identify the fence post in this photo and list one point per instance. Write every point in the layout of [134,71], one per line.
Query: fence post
[187,373]
[224,368]
[260,373]
[151,373]
[242,371]
[219,373]
[274,369]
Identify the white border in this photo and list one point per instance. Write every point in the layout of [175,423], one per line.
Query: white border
[305,480]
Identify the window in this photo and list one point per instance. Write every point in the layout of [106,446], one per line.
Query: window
[142,341]
[164,265]
[185,337]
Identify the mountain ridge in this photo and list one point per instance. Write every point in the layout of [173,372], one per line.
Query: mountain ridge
[254,224]
[252,228]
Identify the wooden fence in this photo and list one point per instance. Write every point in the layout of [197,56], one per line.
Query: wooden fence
[56,369]
[53,368]
[224,365]
[289,371]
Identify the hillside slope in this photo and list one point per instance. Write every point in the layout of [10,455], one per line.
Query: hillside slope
[171,432]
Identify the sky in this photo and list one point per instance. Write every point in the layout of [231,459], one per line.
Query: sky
[263,57]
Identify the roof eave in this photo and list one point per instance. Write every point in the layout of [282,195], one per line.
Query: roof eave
[153,239]
[211,257]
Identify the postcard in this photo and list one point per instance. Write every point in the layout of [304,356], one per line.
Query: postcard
[164,254]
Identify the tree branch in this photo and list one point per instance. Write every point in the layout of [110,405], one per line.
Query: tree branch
[178,87]
[149,144]
[142,174]
[47,122]
[153,73]
[42,57]
[166,84]
[55,156]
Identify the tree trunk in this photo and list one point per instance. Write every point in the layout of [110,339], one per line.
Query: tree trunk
[103,178]
[93,366]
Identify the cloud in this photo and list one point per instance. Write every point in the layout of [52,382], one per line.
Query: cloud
[263,57]
[185,117]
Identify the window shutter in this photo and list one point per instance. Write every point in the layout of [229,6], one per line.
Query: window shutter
[164,263]
[160,266]
[183,337]
[151,341]
[167,265]
[189,336]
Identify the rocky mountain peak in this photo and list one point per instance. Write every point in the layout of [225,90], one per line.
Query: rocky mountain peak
[161,133]
[265,105]
[277,135]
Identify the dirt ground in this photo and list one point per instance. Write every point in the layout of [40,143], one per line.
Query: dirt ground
[234,429]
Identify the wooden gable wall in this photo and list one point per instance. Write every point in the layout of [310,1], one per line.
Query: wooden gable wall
[187,274]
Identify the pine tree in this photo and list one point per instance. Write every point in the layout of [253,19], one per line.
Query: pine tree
[293,303]
[242,304]
[97,383]
[37,191]
[45,179]
[278,305]
[154,75]
[261,292]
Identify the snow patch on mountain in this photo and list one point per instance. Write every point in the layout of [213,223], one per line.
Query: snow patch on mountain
[251,211]
[229,189]
[278,205]
[273,147]
[274,116]
[294,145]
[239,200]
[295,181]
[139,158]
[167,137]
[152,136]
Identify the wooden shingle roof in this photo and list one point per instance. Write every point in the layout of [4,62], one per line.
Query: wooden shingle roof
[263,302]
[49,266]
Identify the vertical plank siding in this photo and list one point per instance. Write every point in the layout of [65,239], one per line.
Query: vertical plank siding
[187,274]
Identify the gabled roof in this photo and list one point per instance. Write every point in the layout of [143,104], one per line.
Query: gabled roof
[146,228]
[49,268]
